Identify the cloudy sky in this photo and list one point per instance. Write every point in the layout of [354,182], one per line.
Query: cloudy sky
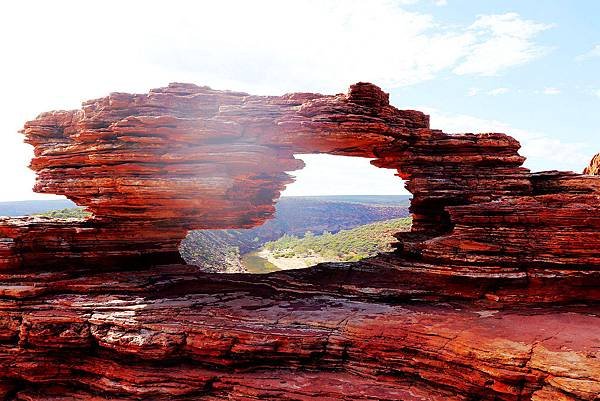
[508,66]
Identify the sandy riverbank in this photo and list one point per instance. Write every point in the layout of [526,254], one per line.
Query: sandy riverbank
[291,263]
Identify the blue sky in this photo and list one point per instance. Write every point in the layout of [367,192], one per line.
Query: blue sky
[527,68]
[572,115]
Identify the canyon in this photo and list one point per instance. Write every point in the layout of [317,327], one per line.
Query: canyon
[494,294]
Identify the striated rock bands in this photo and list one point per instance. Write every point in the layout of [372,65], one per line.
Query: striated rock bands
[33,241]
[186,157]
[562,208]
[181,152]
[493,295]
[252,340]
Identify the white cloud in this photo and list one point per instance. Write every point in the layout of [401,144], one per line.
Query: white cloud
[551,91]
[498,91]
[265,46]
[491,92]
[597,93]
[503,41]
[542,151]
[440,3]
[593,53]
[86,50]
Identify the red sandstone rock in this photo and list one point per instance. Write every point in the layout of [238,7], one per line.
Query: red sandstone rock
[492,296]
[33,241]
[250,341]
[186,157]
[594,167]
[181,152]
[563,209]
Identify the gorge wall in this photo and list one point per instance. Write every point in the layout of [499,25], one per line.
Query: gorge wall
[493,295]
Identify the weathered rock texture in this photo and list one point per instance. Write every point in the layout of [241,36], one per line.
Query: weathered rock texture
[172,333]
[493,295]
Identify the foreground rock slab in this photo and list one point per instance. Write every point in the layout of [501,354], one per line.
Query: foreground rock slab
[247,339]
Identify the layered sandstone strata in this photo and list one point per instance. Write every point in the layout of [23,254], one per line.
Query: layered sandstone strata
[186,157]
[493,295]
[42,241]
[170,333]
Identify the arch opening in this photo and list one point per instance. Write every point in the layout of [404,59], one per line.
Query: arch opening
[338,209]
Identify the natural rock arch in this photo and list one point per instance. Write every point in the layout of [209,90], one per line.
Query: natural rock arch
[188,157]
[492,296]
[151,167]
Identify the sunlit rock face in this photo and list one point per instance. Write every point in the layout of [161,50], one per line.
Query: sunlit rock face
[188,157]
[493,295]
[198,157]
[594,167]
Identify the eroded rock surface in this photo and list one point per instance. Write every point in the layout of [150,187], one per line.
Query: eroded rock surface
[108,336]
[493,295]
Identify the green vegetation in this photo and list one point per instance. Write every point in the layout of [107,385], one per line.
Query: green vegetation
[353,227]
[214,250]
[223,250]
[69,213]
[346,245]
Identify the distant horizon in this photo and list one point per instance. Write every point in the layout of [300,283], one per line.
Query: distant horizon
[282,196]
[30,207]
[341,195]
